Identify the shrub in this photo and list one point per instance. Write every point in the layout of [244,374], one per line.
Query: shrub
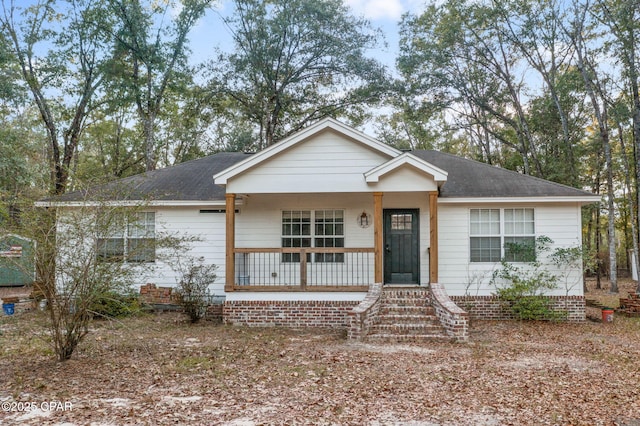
[523,286]
[193,288]
[115,305]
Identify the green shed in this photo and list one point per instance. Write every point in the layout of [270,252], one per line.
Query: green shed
[17,262]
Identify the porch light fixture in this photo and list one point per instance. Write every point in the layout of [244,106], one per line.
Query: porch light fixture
[364,220]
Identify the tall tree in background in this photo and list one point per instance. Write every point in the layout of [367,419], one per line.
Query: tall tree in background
[61,58]
[151,56]
[622,19]
[533,28]
[456,55]
[296,61]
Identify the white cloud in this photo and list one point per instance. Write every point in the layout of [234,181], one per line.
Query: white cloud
[377,9]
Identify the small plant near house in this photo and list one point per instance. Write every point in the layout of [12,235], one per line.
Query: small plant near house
[523,286]
[193,288]
[113,304]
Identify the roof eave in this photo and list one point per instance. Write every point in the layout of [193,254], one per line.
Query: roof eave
[580,199]
[135,203]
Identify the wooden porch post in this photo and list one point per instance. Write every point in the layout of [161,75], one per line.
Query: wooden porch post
[377,236]
[433,236]
[230,257]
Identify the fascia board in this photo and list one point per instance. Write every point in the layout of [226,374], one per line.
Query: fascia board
[376,173]
[522,200]
[134,203]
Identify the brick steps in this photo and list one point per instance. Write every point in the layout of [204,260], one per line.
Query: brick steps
[406,315]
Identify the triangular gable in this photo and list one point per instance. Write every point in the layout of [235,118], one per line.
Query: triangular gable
[287,143]
[401,161]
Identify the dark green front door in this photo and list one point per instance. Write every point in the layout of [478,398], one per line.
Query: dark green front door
[401,246]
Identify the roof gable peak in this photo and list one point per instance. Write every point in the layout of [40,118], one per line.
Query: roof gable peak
[299,137]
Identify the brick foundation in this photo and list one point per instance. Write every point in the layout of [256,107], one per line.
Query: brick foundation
[490,307]
[214,312]
[288,313]
[152,294]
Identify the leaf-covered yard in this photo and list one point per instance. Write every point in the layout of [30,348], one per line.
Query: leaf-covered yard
[159,369]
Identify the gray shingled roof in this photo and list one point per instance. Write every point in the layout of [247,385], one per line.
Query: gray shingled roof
[469,178]
[193,181]
[188,181]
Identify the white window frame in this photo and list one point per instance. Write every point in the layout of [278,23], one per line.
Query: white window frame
[315,237]
[139,227]
[520,229]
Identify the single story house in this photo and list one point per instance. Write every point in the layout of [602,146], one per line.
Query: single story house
[315,228]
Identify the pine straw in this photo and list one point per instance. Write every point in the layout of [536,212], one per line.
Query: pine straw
[161,370]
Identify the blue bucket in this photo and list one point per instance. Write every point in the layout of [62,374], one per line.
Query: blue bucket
[8,308]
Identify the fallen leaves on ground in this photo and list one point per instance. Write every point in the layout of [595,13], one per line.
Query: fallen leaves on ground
[161,370]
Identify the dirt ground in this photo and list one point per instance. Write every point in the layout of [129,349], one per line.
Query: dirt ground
[160,370]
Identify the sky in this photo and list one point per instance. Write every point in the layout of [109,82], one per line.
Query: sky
[383,14]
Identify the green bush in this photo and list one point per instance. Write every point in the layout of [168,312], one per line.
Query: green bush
[523,287]
[193,288]
[115,305]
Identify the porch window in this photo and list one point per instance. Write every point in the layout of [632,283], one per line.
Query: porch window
[502,233]
[130,239]
[327,231]
[296,232]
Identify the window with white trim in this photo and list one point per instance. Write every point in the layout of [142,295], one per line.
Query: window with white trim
[519,235]
[327,231]
[128,239]
[495,234]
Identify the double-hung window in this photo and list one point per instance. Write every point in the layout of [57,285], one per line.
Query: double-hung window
[329,232]
[497,234]
[296,232]
[130,239]
[519,235]
[313,228]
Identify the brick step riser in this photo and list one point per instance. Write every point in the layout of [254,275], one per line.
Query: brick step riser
[402,330]
[403,302]
[406,310]
[387,296]
[381,338]
[407,319]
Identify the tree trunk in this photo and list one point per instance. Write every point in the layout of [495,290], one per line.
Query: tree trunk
[592,84]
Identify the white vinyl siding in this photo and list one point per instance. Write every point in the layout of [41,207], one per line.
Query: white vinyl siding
[207,230]
[560,222]
[326,163]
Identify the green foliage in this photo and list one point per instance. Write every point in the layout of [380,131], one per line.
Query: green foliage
[524,287]
[112,304]
[297,61]
[193,288]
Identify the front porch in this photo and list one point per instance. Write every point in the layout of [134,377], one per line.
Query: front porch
[333,269]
